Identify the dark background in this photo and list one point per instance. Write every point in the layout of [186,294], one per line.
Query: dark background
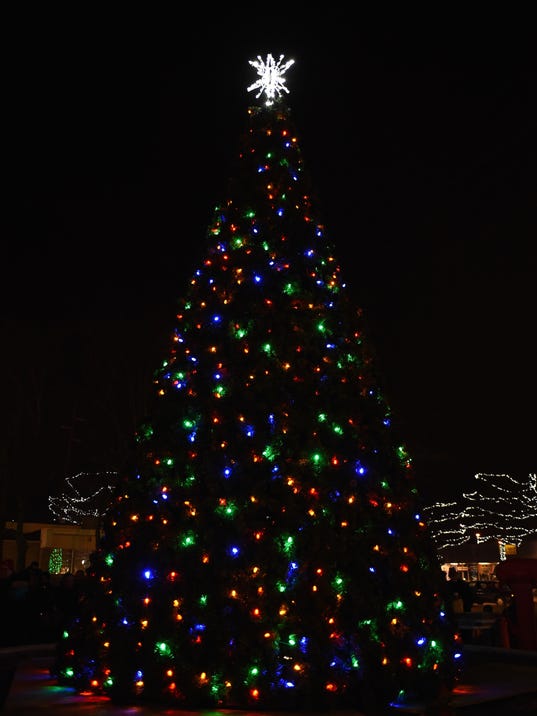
[419,134]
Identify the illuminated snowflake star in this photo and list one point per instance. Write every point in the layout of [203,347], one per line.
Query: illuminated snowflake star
[271,80]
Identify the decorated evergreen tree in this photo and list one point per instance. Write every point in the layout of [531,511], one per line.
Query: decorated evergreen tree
[264,548]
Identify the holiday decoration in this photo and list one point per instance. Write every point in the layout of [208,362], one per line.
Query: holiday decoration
[55,561]
[501,508]
[271,82]
[265,547]
[86,496]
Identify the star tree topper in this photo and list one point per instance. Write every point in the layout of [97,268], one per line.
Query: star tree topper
[271,78]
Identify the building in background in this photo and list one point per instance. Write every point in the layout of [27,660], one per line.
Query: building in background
[57,548]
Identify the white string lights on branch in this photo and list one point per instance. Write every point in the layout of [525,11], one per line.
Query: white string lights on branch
[87,495]
[445,522]
[502,509]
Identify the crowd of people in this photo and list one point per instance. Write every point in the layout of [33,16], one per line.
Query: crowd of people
[466,598]
[465,595]
[35,605]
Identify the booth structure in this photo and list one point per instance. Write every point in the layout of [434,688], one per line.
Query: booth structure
[520,573]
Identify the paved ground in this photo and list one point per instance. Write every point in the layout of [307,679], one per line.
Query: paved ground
[495,682]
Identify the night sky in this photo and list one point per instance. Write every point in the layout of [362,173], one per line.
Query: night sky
[421,144]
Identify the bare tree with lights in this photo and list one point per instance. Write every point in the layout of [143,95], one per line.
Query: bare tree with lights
[86,497]
[501,508]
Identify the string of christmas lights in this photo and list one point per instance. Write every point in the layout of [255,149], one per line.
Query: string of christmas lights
[88,495]
[502,508]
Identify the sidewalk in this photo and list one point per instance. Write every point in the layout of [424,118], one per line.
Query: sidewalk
[493,681]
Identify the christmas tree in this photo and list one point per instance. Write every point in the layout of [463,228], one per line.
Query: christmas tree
[264,548]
